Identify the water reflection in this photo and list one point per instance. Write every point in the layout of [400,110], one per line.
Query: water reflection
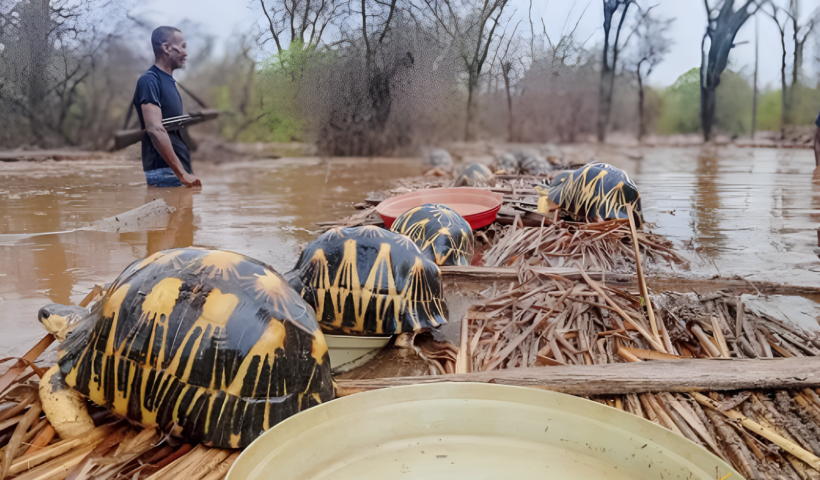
[752,212]
[706,203]
[181,226]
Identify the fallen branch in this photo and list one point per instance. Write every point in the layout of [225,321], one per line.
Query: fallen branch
[666,376]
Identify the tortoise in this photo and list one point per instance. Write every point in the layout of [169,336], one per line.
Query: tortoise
[441,234]
[507,162]
[595,191]
[531,163]
[439,158]
[210,345]
[368,280]
[475,175]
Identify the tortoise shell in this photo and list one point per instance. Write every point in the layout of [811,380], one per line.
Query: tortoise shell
[368,280]
[210,342]
[475,175]
[439,158]
[441,234]
[531,163]
[507,162]
[596,189]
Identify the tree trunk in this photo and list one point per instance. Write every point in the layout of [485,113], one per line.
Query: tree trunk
[783,106]
[468,123]
[639,377]
[510,135]
[604,104]
[707,110]
[754,83]
[641,120]
[794,6]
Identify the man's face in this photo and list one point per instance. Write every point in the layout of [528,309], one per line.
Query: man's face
[175,49]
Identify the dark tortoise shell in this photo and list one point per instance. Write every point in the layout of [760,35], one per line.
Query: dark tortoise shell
[475,175]
[594,190]
[441,234]
[213,345]
[368,280]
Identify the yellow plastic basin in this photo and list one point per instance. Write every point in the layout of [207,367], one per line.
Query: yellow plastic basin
[457,431]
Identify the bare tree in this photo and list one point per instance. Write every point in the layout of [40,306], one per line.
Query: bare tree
[800,34]
[557,91]
[754,81]
[469,26]
[510,66]
[609,60]
[292,22]
[49,51]
[723,24]
[782,24]
[653,45]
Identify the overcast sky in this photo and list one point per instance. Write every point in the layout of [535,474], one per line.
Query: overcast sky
[224,17]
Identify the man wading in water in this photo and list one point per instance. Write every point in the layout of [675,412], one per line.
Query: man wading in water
[817,141]
[165,157]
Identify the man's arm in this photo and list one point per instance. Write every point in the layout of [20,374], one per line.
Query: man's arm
[817,146]
[159,137]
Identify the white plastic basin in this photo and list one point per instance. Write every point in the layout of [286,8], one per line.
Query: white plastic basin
[457,431]
[348,351]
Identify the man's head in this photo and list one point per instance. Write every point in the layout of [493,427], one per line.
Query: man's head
[169,47]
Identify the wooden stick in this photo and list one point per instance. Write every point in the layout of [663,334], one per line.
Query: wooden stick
[56,450]
[627,355]
[514,344]
[17,438]
[641,281]
[684,375]
[18,368]
[739,321]
[91,295]
[705,341]
[721,340]
[766,433]
[464,354]
[42,439]
[59,467]
[650,354]
[649,338]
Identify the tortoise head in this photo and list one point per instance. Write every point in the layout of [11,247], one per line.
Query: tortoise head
[60,320]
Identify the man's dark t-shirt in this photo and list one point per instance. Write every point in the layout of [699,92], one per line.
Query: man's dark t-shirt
[817,122]
[160,89]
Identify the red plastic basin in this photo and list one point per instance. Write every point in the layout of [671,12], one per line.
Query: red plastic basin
[478,206]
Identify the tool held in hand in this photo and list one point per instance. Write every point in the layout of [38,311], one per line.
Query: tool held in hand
[124,138]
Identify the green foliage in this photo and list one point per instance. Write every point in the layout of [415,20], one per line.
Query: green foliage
[768,111]
[681,105]
[733,110]
[276,88]
[733,114]
[804,105]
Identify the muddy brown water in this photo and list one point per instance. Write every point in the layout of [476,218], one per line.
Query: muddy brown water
[750,212]
[266,209]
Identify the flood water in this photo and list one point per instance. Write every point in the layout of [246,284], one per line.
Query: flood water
[748,212]
[266,209]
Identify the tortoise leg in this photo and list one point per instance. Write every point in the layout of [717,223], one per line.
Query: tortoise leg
[64,407]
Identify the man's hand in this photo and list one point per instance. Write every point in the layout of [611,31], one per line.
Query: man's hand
[190,180]
[159,137]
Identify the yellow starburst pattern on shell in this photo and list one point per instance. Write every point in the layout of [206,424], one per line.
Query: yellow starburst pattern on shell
[221,264]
